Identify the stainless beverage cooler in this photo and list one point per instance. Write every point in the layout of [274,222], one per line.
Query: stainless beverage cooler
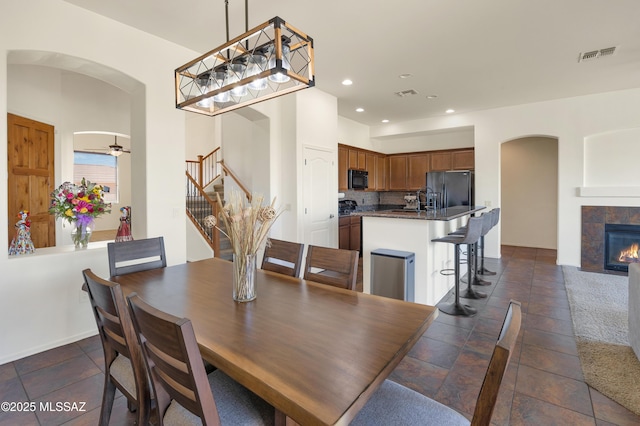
[393,274]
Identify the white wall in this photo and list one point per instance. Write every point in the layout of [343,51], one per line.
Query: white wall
[571,121]
[529,192]
[624,146]
[40,292]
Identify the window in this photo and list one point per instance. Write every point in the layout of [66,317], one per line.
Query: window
[98,168]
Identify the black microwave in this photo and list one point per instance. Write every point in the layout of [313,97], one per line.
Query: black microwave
[358,179]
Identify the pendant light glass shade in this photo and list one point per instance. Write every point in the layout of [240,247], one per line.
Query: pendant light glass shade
[257,63]
[270,60]
[237,73]
[280,76]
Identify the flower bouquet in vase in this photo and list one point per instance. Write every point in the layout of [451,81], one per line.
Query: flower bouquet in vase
[79,205]
[247,224]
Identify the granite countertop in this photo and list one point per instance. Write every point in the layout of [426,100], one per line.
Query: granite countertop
[440,214]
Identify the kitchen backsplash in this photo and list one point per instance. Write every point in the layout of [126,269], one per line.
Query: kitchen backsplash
[371,200]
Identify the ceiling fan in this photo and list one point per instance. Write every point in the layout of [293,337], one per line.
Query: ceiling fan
[115,149]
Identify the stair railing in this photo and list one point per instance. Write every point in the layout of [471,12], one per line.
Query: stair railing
[233,176]
[199,206]
[201,173]
[205,169]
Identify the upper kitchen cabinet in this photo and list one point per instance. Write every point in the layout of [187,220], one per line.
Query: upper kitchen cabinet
[397,172]
[463,160]
[440,161]
[417,173]
[357,159]
[343,168]
[371,170]
[382,167]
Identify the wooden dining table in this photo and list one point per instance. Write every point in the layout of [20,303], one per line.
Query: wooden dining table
[314,352]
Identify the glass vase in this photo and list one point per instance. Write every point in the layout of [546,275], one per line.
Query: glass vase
[81,234]
[244,277]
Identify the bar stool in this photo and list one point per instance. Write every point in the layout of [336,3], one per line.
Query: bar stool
[474,229]
[472,258]
[487,221]
[472,262]
[496,218]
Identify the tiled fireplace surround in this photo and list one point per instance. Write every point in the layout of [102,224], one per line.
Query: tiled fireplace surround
[593,221]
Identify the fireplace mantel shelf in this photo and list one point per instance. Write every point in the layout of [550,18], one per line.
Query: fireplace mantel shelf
[609,191]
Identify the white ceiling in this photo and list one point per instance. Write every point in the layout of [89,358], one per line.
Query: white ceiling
[472,54]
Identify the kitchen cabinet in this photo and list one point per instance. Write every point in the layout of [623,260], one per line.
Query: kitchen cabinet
[371,170]
[344,232]
[397,172]
[382,165]
[417,173]
[440,161]
[349,233]
[463,160]
[343,168]
[357,159]
[354,233]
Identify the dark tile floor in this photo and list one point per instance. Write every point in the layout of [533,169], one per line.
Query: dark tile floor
[543,386]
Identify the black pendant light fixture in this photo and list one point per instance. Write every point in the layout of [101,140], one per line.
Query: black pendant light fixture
[270,60]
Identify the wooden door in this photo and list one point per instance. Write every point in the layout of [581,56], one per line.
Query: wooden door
[440,161]
[343,169]
[398,172]
[381,172]
[418,168]
[371,169]
[31,177]
[464,160]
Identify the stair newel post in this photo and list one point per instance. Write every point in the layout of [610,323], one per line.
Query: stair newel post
[200,171]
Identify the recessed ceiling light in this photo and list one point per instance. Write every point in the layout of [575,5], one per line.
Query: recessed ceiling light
[385,121]
[347,82]
[432,96]
[359,109]
[407,75]
[450,111]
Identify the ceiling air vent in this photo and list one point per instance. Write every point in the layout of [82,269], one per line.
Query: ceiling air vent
[595,54]
[406,93]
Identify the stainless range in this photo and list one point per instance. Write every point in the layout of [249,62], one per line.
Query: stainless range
[346,207]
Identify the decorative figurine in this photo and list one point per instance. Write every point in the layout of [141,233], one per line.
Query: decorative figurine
[124,231]
[21,243]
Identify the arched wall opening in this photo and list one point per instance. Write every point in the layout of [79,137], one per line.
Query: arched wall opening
[529,192]
[77,96]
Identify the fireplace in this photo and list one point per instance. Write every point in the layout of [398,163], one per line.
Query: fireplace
[594,220]
[621,244]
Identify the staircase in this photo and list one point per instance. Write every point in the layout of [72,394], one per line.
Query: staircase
[204,183]
[199,207]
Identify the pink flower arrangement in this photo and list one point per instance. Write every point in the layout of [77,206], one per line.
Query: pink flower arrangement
[78,204]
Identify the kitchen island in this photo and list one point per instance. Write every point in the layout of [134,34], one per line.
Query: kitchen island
[412,231]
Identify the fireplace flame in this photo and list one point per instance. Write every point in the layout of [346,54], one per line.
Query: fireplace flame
[630,254]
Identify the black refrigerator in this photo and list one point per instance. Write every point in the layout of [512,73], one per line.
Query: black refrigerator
[450,189]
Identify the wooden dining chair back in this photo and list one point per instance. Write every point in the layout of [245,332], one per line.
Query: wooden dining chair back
[184,392]
[498,364]
[124,366]
[336,267]
[395,404]
[126,257]
[284,257]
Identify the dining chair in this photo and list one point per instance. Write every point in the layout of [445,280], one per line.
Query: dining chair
[336,267]
[126,257]
[394,404]
[284,257]
[123,363]
[185,393]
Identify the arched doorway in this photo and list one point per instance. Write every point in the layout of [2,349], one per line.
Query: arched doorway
[529,192]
